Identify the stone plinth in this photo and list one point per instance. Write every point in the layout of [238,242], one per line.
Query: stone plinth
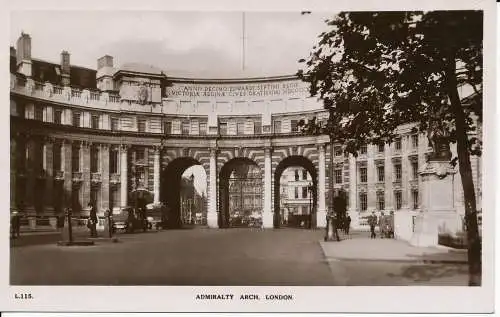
[267,220]
[437,212]
[212,220]
[321,219]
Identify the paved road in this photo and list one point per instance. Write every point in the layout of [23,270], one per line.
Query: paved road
[180,257]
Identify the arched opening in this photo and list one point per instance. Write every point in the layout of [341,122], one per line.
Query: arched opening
[183,190]
[240,199]
[295,193]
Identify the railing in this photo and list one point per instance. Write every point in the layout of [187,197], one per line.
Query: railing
[94,96]
[95,177]
[76,93]
[59,175]
[77,177]
[113,98]
[58,90]
[114,178]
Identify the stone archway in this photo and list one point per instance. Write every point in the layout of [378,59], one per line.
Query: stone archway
[295,161]
[240,198]
[170,188]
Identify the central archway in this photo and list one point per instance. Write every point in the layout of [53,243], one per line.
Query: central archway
[240,199]
[170,189]
[295,161]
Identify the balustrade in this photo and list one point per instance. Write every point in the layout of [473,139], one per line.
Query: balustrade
[77,177]
[114,178]
[59,175]
[95,177]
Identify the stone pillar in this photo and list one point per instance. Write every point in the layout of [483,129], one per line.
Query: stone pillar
[212,190]
[353,192]
[68,173]
[48,166]
[405,173]
[104,167]
[13,173]
[438,214]
[85,169]
[321,213]
[371,174]
[29,198]
[156,175]
[267,215]
[123,176]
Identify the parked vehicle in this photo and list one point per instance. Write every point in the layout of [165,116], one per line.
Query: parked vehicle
[129,220]
[157,216]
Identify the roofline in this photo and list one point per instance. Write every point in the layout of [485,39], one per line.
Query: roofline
[56,64]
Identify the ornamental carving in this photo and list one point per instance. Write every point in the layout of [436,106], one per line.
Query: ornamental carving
[142,94]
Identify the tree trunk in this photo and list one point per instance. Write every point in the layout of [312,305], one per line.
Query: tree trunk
[473,241]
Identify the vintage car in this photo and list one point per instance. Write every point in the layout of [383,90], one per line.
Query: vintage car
[157,215]
[129,220]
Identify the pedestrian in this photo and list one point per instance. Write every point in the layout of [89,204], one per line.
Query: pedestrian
[347,224]
[372,222]
[391,224]
[382,225]
[15,223]
[92,222]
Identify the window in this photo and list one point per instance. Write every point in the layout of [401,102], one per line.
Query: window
[363,204]
[185,127]
[380,201]
[414,166]
[57,155]
[414,141]
[223,128]
[167,127]
[76,118]
[21,110]
[113,161]
[296,192]
[338,150]
[296,175]
[304,192]
[381,148]
[380,173]
[39,113]
[58,116]
[115,197]
[414,196]
[304,174]
[397,169]
[398,197]
[363,175]
[277,126]
[139,155]
[94,159]
[75,158]
[397,144]
[141,125]
[257,127]
[94,123]
[240,128]
[338,176]
[294,125]
[363,149]
[115,124]
[203,128]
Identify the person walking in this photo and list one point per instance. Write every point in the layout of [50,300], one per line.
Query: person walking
[391,224]
[15,223]
[347,224]
[372,222]
[93,220]
[382,225]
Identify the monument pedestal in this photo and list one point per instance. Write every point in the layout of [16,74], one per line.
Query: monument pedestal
[212,220]
[267,220]
[437,203]
[321,219]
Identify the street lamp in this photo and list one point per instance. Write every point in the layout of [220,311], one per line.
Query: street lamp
[310,190]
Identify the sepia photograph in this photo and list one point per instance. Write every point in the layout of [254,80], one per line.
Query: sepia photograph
[240,156]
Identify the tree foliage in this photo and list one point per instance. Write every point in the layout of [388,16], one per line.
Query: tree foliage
[375,71]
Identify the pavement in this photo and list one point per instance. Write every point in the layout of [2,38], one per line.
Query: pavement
[234,257]
[365,249]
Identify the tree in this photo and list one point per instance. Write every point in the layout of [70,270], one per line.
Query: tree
[377,70]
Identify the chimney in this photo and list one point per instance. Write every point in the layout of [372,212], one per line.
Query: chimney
[65,68]
[23,55]
[105,61]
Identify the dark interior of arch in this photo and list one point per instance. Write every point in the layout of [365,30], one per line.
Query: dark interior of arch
[240,166]
[294,161]
[170,186]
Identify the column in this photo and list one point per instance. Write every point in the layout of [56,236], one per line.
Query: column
[123,175]
[13,173]
[68,173]
[29,198]
[321,214]
[104,167]
[48,166]
[371,178]
[405,170]
[267,216]
[212,190]
[85,169]
[390,202]
[156,175]
[353,192]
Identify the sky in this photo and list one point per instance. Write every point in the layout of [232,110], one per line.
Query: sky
[183,44]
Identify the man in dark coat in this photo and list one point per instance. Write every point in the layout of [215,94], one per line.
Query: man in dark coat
[347,224]
[372,222]
[15,222]
[93,220]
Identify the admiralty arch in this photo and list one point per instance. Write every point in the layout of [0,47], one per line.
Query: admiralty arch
[79,134]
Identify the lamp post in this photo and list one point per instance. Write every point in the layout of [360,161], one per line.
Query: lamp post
[310,190]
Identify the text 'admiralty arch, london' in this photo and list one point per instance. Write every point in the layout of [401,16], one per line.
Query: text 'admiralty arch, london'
[79,134]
